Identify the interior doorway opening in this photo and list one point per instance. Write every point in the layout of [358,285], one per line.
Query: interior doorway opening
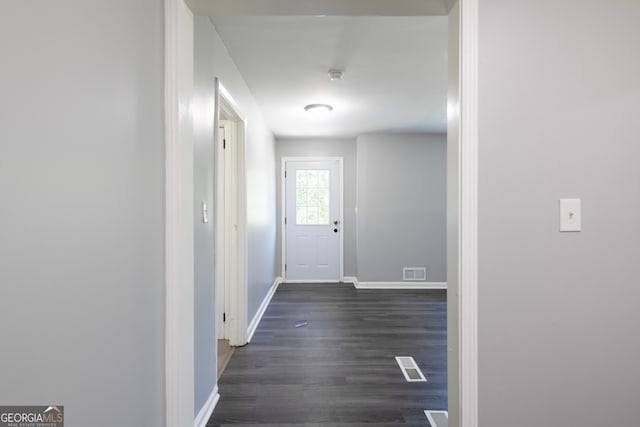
[179,360]
[230,260]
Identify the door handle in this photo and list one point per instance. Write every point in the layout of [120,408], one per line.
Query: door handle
[335,230]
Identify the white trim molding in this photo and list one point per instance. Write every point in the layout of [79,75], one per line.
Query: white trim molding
[179,270]
[206,411]
[310,281]
[400,285]
[239,296]
[233,262]
[393,285]
[350,279]
[468,265]
[263,307]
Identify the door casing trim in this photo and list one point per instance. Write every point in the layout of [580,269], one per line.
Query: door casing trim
[179,216]
[237,295]
[468,215]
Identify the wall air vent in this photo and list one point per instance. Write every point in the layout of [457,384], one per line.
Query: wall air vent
[414,273]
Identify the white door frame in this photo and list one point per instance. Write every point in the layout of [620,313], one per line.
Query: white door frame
[283,212]
[221,267]
[468,216]
[179,216]
[235,266]
[179,364]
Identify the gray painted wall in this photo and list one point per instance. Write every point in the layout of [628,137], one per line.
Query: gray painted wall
[260,164]
[558,312]
[401,219]
[82,211]
[345,148]
[204,242]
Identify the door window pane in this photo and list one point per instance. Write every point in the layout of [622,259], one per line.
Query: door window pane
[301,215]
[312,197]
[323,216]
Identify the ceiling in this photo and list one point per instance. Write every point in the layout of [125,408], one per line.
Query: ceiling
[395,71]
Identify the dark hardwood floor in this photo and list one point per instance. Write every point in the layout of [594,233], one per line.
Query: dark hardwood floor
[339,369]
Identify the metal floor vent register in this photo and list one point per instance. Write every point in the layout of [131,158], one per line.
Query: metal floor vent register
[414,273]
[410,369]
[438,418]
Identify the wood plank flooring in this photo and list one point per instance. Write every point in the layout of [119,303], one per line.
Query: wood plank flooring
[340,369]
[224,355]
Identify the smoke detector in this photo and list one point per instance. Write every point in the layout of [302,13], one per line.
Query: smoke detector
[335,74]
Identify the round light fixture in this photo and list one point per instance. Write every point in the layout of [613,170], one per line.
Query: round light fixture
[318,110]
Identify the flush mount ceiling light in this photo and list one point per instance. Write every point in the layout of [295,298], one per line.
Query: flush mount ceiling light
[318,110]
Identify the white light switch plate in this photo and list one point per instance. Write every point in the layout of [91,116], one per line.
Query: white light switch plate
[205,213]
[570,215]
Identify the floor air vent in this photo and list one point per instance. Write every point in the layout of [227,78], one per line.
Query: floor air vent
[410,369]
[438,418]
[414,273]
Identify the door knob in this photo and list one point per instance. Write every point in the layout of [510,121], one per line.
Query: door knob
[335,230]
[336,222]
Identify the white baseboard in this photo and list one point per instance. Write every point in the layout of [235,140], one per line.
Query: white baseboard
[400,285]
[207,409]
[390,285]
[265,303]
[311,281]
[350,279]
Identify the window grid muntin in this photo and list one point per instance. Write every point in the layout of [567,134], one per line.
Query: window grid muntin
[312,197]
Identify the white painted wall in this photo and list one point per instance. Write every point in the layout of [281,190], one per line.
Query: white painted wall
[401,202]
[559,102]
[82,210]
[260,163]
[345,148]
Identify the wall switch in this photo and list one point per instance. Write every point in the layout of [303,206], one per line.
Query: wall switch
[570,215]
[205,213]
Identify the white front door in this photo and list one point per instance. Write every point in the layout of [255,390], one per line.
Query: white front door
[313,214]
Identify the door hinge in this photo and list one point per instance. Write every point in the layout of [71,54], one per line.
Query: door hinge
[285,174]
[285,220]
[285,267]
[224,317]
[224,144]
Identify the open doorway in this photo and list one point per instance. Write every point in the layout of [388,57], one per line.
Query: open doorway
[230,259]
[178,309]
